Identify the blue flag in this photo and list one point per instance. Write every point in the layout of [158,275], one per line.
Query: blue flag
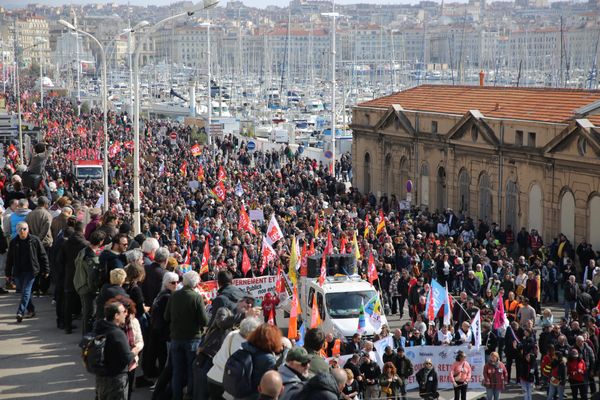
[439,296]
[301,332]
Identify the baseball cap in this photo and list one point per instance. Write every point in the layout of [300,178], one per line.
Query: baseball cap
[298,354]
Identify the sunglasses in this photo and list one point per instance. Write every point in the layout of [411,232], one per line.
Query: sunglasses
[22,229]
[174,282]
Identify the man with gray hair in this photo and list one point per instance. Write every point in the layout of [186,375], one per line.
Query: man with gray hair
[149,247]
[154,274]
[26,259]
[187,317]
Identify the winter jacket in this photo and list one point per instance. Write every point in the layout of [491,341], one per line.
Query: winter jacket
[428,382]
[153,281]
[404,367]
[227,296]
[293,382]
[322,386]
[39,259]
[495,376]
[186,314]
[39,221]
[117,353]
[66,257]
[576,370]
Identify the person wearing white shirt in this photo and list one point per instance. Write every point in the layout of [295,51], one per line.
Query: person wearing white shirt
[444,336]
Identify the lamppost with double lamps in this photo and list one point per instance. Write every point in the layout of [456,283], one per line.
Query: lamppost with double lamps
[333,16]
[136,121]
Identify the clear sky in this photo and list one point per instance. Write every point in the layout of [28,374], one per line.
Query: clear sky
[250,3]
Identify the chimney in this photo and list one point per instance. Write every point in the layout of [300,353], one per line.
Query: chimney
[481,77]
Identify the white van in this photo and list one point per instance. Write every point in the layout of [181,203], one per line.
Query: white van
[339,302]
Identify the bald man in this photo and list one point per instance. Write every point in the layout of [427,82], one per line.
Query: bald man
[271,386]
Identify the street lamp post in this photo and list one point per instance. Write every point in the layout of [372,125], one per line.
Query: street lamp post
[104,107]
[136,121]
[209,101]
[21,147]
[41,81]
[333,16]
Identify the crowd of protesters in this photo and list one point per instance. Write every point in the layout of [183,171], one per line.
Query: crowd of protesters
[138,283]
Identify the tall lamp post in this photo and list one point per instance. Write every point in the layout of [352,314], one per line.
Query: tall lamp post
[333,16]
[38,42]
[208,73]
[136,121]
[70,26]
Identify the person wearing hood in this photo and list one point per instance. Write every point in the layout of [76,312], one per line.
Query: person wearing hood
[427,380]
[227,295]
[324,386]
[113,384]
[294,372]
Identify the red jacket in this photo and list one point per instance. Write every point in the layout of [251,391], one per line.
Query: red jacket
[576,370]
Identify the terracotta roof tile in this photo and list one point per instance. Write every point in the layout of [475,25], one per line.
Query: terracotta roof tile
[534,104]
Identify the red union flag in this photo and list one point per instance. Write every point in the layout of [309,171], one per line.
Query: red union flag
[196,150]
[200,173]
[245,263]
[114,149]
[129,145]
[186,228]
[221,176]
[219,191]
[268,254]
[205,258]
[12,152]
[245,224]
[372,270]
[274,232]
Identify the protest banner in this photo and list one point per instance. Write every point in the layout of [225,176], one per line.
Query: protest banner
[443,357]
[256,287]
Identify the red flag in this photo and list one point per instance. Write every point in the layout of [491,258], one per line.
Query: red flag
[271,320]
[315,318]
[311,249]
[317,227]
[222,176]
[372,270]
[245,224]
[323,273]
[186,228]
[329,246]
[343,245]
[12,152]
[304,261]
[274,232]
[129,145]
[200,173]
[205,258]
[219,191]
[268,254]
[196,150]
[188,257]
[381,224]
[430,307]
[245,262]
[366,233]
[293,323]
[279,285]
[183,169]
[114,149]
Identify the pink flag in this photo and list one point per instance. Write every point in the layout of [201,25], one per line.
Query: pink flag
[500,320]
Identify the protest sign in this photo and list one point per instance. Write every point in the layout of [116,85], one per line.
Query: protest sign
[256,287]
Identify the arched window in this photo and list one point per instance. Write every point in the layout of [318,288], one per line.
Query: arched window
[464,183]
[425,184]
[485,198]
[512,205]
[594,222]
[367,173]
[403,176]
[567,215]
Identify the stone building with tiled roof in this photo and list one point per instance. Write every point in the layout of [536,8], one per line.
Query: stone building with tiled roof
[528,157]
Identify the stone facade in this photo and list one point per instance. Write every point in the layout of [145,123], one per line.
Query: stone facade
[479,154]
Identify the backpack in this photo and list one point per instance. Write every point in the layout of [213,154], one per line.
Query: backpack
[80,279]
[237,376]
[92,353]
[97,274]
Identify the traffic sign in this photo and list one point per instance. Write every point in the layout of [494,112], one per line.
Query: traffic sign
[251,146]
[328,154]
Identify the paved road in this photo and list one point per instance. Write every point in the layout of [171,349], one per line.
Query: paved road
[38,361]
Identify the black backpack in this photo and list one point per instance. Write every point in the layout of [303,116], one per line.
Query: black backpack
[237,377]
[92,353]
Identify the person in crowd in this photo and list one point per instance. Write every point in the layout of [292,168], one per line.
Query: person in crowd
[526,371]
[270,386]
[460,376]
[389,381]
[186,315]
[427,379]
[112,289]
[314,339]
[228,295]
[294,372]
[371,374]
[154,271]
[26,259]
[114,383]
[558,377]
[351,389]
[326,386]
[576,371]
[495,377]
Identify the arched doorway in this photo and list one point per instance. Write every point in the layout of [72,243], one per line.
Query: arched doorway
[594,222]
[567,215]
[536,209]
[388,175]
[463,192]
[425,184]
[485,198]
[441,189]
[512,204]
[367,173]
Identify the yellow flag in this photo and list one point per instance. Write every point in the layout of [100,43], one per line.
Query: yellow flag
[355,247]
[293,262]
